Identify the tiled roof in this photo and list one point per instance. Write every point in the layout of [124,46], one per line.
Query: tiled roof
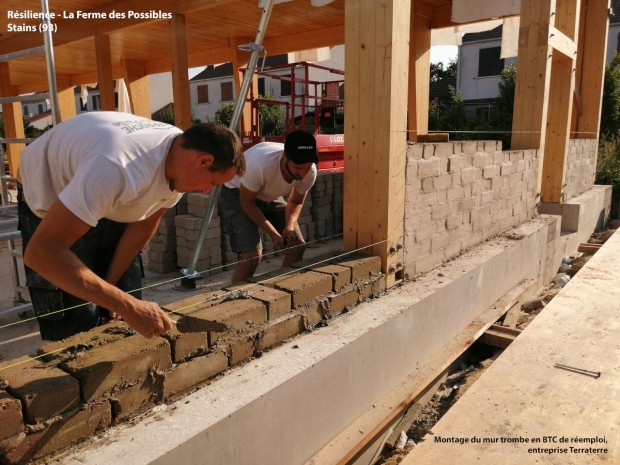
[225,70]
[484,35]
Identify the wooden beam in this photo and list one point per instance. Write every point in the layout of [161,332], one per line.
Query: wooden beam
[591,67]
[533,74]
[562,43]
[138,88]
[73,30]
[13,119]
[105,78]
[377,58]
[561,92]
[66,103]
[419,72]
[180,81]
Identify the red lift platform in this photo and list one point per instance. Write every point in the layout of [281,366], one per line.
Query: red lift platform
[312,106]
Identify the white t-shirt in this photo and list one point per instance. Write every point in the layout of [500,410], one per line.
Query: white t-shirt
[100,165]
[263,173]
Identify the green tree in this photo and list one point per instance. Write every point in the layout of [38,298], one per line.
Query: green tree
[271,117]
[441,71]
[503,106]
[610,112]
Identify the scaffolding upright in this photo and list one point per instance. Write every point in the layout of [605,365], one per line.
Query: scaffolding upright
[8,210]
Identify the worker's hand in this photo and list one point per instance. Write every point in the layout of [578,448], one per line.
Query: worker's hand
[289,238]
[146,318]
[278,241]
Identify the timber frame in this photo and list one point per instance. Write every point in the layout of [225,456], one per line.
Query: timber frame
[387,48]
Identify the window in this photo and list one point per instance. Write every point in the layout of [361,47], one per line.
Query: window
[285,87]
[25,110]
[40,108]
[203,93]
[489,62]
[227,91]
[96,104]
[261,86]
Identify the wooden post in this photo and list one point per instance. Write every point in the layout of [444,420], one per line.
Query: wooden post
[419,73]
[561,90]
[138,88]
[591,68]
[66,103]
[240,60]
[105,78]
[377,57]
[533,74]
[13,119]
[180,81]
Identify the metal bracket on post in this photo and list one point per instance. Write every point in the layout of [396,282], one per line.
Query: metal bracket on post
[189,274]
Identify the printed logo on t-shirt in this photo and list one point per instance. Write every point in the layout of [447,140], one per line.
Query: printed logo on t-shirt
[129,126]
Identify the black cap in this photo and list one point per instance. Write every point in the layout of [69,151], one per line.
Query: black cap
[300,147]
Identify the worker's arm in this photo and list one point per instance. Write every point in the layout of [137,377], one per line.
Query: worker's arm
[132,241]
[293,210]
[247,198]
[49,254]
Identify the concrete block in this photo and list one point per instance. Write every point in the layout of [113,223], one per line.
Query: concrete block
[11,414]
[45,391]
[305,287]
[134,400]
[196,302]
[313,313]
[122,363]
[179,378]
[230,316]
[78,344]
[69,430]
[278,331]
[341,275]
[363,268]
[444,150]
[344,299]
[186,345]
[278,302]
[241,349]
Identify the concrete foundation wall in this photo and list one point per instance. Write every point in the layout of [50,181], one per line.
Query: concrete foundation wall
[580,167]
[459,194]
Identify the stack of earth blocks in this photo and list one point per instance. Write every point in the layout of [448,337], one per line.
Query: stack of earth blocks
[162,250]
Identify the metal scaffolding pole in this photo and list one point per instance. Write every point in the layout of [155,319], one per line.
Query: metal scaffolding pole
[189,274]
[49,61]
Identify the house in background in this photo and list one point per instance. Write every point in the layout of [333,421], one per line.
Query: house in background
[38,113]
[480,64]
[215,86]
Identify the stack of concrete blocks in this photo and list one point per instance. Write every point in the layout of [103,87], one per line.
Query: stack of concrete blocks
[580,167]
[188,229]
[338,203]
[305,221]
[322,206]
[84,384]
[459,194]
[162,249]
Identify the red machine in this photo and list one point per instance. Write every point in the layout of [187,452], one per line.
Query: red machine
[314,106]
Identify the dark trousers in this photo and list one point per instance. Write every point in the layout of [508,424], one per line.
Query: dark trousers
[53,306]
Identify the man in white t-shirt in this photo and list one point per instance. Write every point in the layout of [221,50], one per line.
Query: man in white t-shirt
[256,200]
[92,191]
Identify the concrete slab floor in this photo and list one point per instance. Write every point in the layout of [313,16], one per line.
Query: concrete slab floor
[22,336]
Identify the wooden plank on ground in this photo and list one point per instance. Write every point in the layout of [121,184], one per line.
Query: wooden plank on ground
[499,336]
[589,248]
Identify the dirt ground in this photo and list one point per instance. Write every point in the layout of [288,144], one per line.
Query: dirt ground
[20,336]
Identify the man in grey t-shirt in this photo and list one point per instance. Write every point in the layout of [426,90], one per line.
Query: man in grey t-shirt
[256,200]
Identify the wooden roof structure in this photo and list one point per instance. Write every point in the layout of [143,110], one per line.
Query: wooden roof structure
[387,54]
